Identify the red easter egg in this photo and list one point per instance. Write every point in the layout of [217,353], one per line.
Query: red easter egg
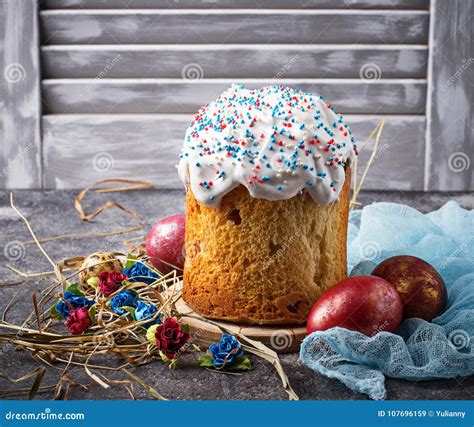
[165,244]
[366,304]
[420,286]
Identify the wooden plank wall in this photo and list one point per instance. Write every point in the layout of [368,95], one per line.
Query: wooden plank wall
[120,81]
[450,129]
[231,4]
[20,139]
[144,146]
[120,85]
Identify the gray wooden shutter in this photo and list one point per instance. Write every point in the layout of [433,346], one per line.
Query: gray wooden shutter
[20,139]
[450,114]
[122,79]
[120,84]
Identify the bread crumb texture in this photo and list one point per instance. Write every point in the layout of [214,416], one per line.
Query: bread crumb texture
[257,261]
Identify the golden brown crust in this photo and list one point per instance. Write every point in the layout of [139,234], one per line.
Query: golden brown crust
[263,262]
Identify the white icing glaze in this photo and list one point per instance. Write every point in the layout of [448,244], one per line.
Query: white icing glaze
[276,141]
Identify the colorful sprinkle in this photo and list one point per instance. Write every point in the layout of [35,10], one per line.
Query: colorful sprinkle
[267,138]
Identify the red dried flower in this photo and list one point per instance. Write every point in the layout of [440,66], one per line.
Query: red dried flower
[170,337]
[109,282]
[78,320]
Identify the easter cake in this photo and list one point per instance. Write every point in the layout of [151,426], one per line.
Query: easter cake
[267,176]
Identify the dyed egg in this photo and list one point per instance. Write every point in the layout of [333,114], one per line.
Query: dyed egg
[98,262]
[165,244]
[365,304]
[420,286]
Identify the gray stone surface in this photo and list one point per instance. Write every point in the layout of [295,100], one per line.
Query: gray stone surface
[52,213]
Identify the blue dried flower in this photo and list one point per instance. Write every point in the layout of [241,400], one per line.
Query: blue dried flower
[146,311]
[139,272]
[127,298]
[76,301]
[225,351]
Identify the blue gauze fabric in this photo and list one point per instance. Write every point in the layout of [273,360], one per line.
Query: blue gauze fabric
[419,350]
